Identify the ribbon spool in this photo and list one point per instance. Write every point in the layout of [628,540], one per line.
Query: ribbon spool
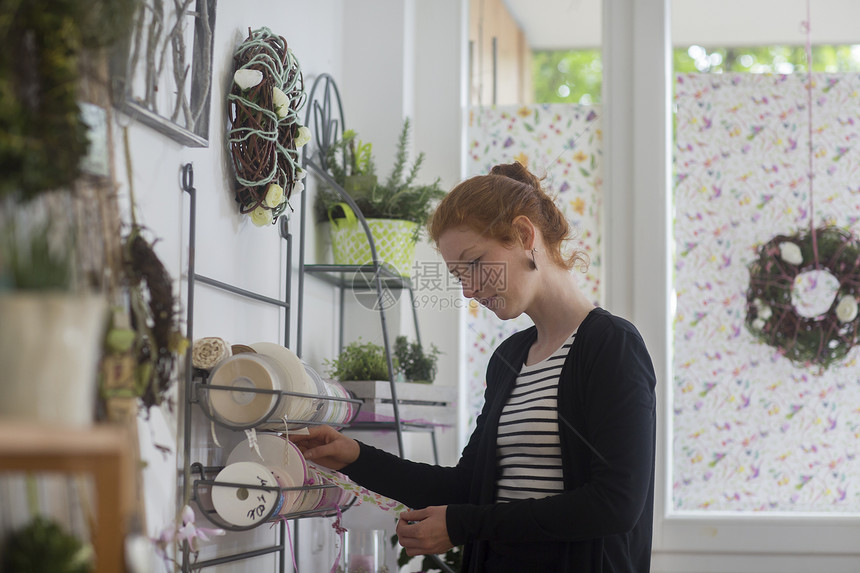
[314,497]
[241,506]
[296,379]
[332,497]
[332,412]
[282,458]
[243,371]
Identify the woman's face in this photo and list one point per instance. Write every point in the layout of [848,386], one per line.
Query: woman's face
[488,271]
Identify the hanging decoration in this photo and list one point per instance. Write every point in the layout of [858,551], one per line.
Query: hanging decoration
[144,341]
[264,130]
[154,313]
[803,289]
[775,313]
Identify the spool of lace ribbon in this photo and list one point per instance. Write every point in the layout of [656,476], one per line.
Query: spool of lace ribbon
[207,352]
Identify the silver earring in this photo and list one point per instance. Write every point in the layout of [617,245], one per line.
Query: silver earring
[533,263]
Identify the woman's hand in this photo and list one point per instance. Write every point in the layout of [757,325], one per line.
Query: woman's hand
[424,531]
[327,447]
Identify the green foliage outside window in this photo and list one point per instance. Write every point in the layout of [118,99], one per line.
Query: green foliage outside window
[766,59]
[576,76]
[571,76]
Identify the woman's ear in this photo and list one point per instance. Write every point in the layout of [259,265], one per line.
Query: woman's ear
[525,230]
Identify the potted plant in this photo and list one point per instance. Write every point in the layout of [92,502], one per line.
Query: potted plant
[42,545]
[395,208]
[359,361]
[414,364]
[50,335]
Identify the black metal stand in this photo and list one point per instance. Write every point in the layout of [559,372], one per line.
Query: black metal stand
[195,475]
[327,128]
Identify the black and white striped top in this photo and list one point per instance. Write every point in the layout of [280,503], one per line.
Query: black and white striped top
[527,447]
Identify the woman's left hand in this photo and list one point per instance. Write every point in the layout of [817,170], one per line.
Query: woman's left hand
[424,531]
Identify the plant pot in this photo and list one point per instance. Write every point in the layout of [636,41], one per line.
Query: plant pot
[50,344]
[394,240]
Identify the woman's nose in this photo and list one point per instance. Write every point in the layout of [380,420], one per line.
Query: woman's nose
[471,286]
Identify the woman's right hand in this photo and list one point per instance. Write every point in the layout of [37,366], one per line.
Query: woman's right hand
[327,447]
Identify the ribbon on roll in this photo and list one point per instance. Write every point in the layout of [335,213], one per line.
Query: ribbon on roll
[207,352]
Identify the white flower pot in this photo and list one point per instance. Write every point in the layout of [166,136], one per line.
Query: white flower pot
[50,344]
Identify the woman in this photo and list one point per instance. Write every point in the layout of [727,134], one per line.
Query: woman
[559,472]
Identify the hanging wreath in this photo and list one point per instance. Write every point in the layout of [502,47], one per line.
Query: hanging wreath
[158,341]
[265,134]
[784,264]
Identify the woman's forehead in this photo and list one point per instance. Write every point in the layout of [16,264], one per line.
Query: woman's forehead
[453,241]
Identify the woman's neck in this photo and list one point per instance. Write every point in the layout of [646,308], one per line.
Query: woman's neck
[559,308]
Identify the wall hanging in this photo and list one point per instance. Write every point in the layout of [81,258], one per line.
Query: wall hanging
[265,97]
[802,296]
[162,75]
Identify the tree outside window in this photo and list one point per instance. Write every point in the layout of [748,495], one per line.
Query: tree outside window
[575,76]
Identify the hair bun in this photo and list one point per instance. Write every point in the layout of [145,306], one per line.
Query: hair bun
[518,172]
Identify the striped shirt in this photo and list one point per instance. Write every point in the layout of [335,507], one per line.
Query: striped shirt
[528,452]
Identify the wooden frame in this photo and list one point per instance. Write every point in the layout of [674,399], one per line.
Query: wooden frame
[102,451]
[149,72]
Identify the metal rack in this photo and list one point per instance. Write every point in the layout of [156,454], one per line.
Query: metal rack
[196,481]
[325,118]
[375,277]
[323,103]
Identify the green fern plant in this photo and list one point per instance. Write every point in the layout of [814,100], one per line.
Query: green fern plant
[397,197]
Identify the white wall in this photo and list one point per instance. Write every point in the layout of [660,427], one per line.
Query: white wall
[389,64]
[406,71]
[229,247]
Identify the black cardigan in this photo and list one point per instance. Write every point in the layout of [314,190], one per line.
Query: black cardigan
[607,428]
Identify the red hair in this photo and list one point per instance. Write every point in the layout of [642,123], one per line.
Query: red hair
[489,204]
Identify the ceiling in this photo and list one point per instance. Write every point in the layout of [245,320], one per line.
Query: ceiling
[570,24]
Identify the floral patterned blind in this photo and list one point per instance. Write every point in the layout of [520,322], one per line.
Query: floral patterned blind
[562,142]
[752,430]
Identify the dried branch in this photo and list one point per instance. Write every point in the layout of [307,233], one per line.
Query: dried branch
[180,69]
[202,67]
[156,27]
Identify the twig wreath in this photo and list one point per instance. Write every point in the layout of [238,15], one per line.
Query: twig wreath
[155,317]
[266,94]
[824,257]
[772,314]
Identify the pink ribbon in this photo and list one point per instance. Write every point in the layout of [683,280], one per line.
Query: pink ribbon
[340,529]
[286,523]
